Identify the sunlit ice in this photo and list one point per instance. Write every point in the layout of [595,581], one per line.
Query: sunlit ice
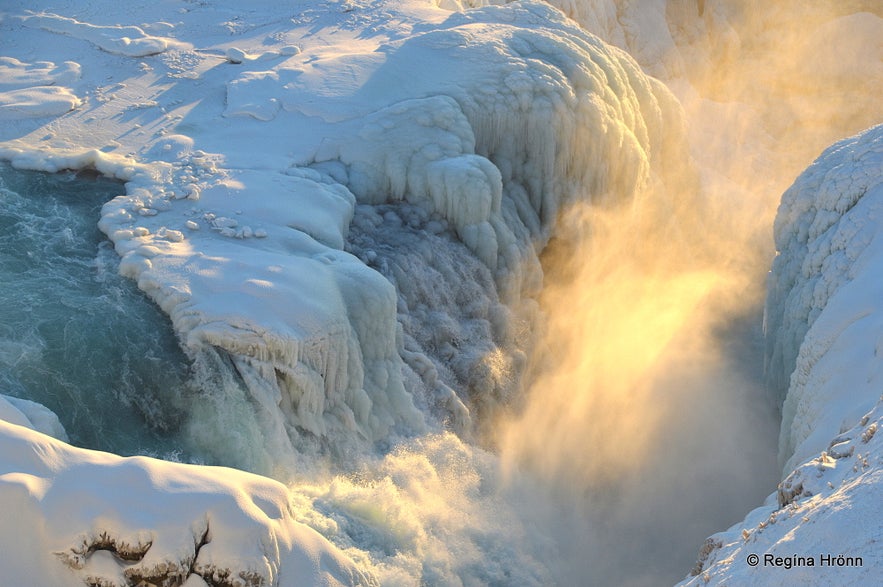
[484,295]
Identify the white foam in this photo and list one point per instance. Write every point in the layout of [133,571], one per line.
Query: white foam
[246,141]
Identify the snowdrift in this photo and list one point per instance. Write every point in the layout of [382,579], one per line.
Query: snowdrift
[77,516]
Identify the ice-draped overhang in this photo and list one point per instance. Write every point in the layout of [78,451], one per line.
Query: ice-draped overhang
[494,118]
[243,159]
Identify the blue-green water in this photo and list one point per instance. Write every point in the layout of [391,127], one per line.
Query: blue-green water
[74,335]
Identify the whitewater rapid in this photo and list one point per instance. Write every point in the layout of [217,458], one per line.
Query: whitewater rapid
[343,209]
[78,337]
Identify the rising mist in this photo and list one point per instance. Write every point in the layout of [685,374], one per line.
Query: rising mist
[647,425]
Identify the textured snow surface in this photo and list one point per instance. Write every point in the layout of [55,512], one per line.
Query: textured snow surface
[249,143]
[289,170]
[73,516]
[824,289]
[34,90]
[823,323]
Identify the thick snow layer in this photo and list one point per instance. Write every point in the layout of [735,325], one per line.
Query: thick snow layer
[36,102]
[32,415]
[821,316]
[129,41]
[246,141]
[823,323]
[73,516]
[33,90]
[244,162]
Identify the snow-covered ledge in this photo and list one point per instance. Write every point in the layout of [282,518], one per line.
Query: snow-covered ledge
[823,321]
[75,516]
[238,201]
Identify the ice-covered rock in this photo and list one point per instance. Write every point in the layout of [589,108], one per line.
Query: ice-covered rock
[822,328]
[821,315]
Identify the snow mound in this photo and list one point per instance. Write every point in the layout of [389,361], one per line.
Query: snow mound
[16,74]
[34,90]
[31,415]
[656,33]
[36,102]
[128,41]
[77,515]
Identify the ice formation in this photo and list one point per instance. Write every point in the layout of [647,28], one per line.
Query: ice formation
[22,412]
[289,171]
[509,114]
[821,304]
[822,325]
[536,114]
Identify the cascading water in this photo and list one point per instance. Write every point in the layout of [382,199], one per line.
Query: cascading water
[638,432]
[82,340]
[76,336]
[459,340]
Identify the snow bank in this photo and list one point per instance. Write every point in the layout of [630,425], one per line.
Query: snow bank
[31,415]
[36,102]
[821,317]
[658,34]
[34,90]
[15,73]
[822,328]
[73,515]
[128,41]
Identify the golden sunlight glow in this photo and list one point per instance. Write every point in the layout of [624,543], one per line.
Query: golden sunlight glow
[617,303]
[636,292]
